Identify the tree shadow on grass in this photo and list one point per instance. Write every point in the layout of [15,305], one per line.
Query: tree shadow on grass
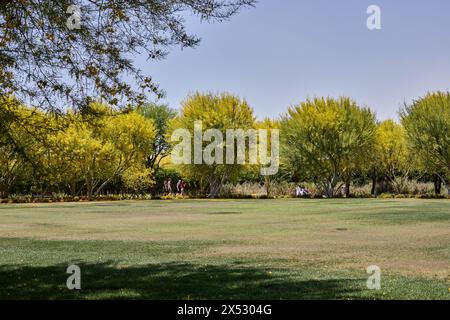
[167,281]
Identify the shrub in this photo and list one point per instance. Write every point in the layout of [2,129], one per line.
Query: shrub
[362,191]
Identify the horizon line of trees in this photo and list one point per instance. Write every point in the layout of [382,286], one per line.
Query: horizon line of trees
[331,142]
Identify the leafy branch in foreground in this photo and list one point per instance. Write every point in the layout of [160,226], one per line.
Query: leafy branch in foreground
[44,62]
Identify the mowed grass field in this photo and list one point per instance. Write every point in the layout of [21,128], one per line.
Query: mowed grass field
[227,249]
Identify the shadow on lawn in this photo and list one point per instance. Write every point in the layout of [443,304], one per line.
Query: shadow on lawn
[167,281]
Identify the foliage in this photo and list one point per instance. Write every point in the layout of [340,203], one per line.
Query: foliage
[44,60]
[393,158]
[221,112]
[161,116]
[75,152]
[138,179]
[268,124]
[21,144]
[427,124]
[108,150]
[327,140]
[325,143]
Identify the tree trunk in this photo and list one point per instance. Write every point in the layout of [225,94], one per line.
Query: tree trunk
[3,192]
[89,193]
[437,185]
[268,185]
[347,189]
[446,184]
[214,189]
[90,188]
[73,188]
[216,183]
[99,189]
[374,183]
[329,189]
[385,185]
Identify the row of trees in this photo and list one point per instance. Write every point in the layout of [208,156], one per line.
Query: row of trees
[75,153]
[331,142]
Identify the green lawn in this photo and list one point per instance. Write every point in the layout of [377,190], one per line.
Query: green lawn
[205,249]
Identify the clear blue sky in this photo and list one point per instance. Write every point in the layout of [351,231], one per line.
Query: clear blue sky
[283,51]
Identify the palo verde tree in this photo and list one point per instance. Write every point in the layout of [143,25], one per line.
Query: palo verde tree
[222,112]
[22,148]
[96,150]
[327,140]
[161,115]
[393,160]
[72,52]
[427,125]
[268,124]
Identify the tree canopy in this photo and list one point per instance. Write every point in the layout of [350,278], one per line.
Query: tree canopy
[326,140]
[161,116]
[222,112]
[392,157]
[427,125]
[76,153]
[46,62]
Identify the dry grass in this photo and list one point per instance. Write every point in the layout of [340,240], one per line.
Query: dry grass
[406,237]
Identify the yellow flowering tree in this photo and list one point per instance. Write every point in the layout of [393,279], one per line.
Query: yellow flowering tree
[221,112]
[327,141]
[97,153]
[393,158]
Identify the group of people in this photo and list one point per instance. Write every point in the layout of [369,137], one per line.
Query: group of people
[167,187]
[301,191]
